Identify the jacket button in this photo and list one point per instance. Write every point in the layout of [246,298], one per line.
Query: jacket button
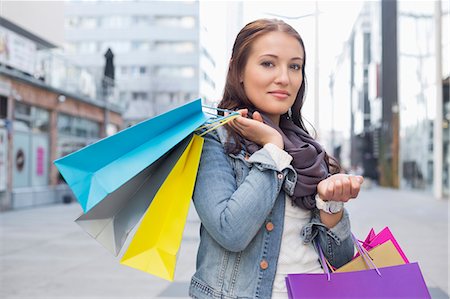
[280,176]
[269,226]
[264,265]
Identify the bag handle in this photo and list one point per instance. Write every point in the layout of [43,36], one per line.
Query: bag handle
[216,121]
[362,251]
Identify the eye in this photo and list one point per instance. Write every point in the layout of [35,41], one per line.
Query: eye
[267,64]
[296,66]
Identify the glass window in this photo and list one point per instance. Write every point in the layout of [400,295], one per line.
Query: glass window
[116,21]
[175,71]
[72,22]
[116,46]
[139,95]
[140,45]
[3,107]
[175,21]
[75,126]
[41,120]
[29,117]
[87,47]
[88,23]
[64,124]
[173,46]
[141,20]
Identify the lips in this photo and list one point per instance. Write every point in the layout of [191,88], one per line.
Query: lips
[282,94]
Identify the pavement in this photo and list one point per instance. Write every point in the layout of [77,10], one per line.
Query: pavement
[44,254]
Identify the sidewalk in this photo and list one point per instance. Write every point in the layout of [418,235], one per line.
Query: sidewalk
[44,254]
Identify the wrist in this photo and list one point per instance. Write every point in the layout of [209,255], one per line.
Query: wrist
[277,141]
[330,206]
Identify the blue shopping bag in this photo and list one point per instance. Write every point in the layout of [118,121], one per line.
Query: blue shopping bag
[101,168]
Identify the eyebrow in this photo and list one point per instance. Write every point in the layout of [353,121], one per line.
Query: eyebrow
[275,56]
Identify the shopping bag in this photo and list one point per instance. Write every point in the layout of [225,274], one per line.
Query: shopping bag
[401,281]
[383,255]
[384,235]
[102,167]
[155,245]
[112,219]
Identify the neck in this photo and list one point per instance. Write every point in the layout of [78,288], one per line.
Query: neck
[275,119]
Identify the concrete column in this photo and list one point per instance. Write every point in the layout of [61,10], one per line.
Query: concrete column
[438,142]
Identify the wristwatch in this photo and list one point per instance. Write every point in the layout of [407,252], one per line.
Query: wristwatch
[330,207]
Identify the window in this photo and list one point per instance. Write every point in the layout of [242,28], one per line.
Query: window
[175,21]
[72,22]
[88,22]
[139,95]
[142,70]
[177,47]
[116,21]
[208,80]
[78,127]
[175,71]
[140,45]
[34,118]
[116,46]
[87,47]
[3,107]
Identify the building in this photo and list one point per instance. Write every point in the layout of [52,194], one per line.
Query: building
[49,107]
[395,70]
[160,59]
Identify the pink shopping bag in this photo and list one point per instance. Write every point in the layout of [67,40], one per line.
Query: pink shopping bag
[384,235]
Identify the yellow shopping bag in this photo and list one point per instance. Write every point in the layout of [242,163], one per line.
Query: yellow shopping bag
[155,245]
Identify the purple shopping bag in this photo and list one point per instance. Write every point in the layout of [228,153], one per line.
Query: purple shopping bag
[402,281]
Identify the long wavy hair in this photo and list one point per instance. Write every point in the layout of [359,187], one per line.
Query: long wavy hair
[234,96]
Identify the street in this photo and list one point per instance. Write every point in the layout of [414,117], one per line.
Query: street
[44,254]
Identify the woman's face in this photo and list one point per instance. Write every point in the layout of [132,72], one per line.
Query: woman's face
[273,73]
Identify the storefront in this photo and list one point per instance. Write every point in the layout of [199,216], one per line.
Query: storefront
[37,126]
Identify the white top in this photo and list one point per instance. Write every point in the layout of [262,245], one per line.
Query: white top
[295,256]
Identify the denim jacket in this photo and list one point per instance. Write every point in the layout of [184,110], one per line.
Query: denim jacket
[235,197]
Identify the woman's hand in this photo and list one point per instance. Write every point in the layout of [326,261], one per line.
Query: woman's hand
[255,130]
[340,187]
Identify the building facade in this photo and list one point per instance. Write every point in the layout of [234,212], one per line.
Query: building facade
[48,108]
[159,60]
[395,69]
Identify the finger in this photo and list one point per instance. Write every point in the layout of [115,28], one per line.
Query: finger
[242,122]
[243,112]
[237,124]
[355,186]
[330,191]
[360,179]
[338,190]
[346,189]
[257,116]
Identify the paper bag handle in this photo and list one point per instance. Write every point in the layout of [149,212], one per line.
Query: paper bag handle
[362,251]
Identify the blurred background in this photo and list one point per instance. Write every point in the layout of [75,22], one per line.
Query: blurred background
[73,72]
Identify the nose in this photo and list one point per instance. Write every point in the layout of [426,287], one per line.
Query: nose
[282,76]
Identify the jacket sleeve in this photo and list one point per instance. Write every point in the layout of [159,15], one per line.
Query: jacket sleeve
[336,242]
[233,214]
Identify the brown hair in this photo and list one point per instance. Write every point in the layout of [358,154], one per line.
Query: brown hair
[234,96]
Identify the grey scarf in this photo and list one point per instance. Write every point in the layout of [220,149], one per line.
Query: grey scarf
[308,160]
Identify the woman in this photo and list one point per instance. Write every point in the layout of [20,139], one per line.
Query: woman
[258,179]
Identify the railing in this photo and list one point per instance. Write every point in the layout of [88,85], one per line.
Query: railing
[59,72]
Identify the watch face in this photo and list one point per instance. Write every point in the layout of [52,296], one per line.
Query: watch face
[336,206]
